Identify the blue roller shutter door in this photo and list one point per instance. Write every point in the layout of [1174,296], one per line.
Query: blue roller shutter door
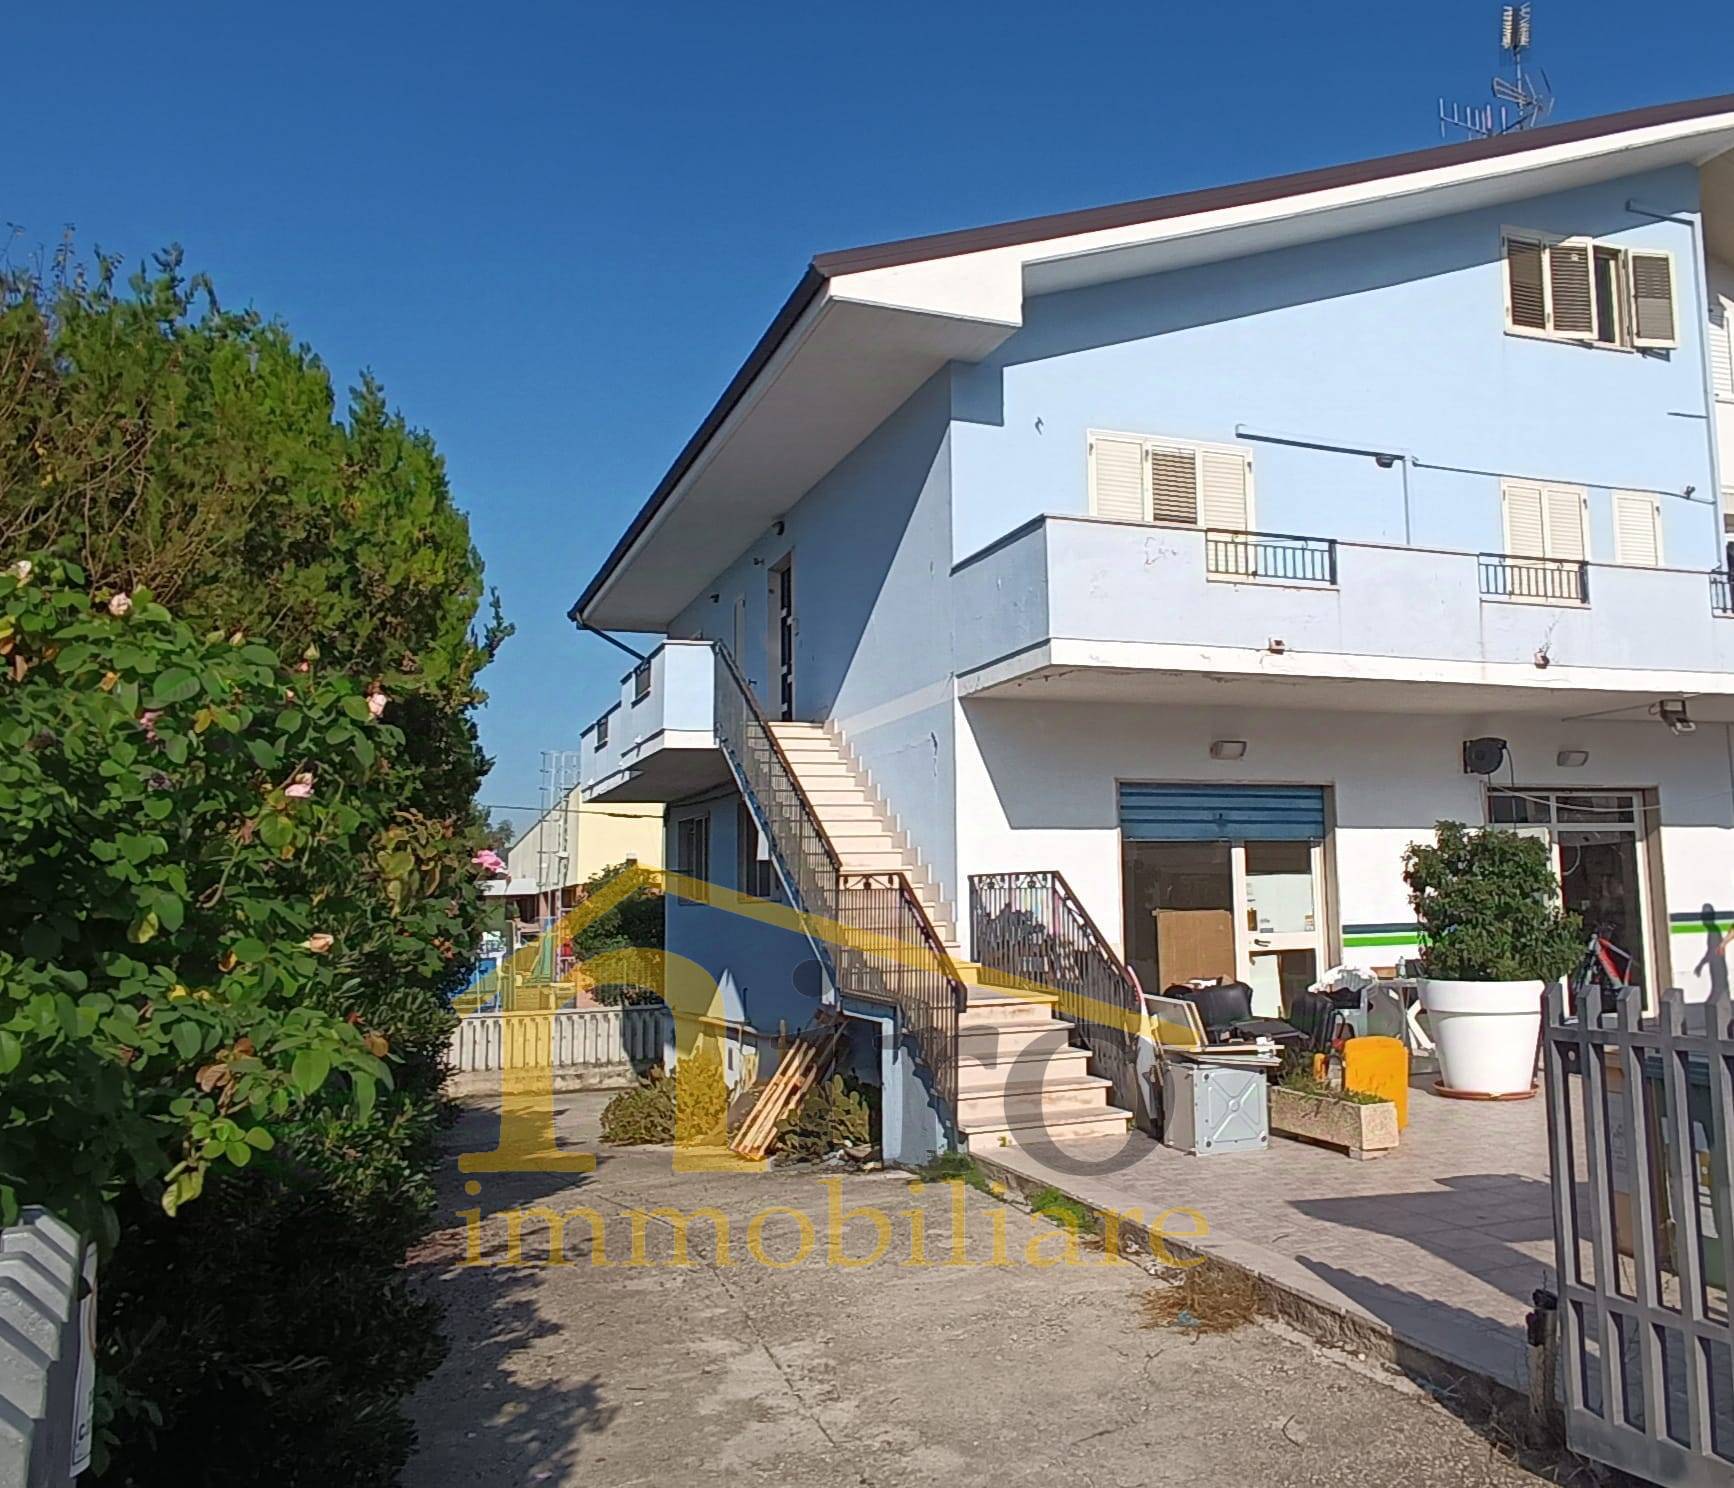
[1207,813]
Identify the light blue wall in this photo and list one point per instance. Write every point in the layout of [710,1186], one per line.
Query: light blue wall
[1389,339]
[871,545]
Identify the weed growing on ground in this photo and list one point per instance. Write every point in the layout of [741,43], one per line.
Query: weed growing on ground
[1210,1298]
[948,1167]
[1050,1203]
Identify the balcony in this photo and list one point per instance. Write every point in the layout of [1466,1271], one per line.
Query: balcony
[1095,608]
[658,742]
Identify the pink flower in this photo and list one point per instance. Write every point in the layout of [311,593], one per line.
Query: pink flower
[147,722]
[376,701]
[319,944]
[300,788]
[119,605]
[491,860]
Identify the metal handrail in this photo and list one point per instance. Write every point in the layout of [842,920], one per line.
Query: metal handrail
[870,926]
[1030,930]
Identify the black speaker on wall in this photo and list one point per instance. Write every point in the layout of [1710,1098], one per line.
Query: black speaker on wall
[1483,756]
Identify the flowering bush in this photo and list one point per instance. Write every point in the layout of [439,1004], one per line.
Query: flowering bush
[174,910]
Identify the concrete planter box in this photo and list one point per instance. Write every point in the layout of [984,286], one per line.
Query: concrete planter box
[1365,1131]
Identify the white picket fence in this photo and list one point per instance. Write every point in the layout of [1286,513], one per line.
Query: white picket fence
[571,1039]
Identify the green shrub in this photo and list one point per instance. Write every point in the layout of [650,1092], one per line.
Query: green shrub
[689,1106]
[834,1115]
[1488,905]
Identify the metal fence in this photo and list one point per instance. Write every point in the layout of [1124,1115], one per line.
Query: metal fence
[1031,930]
[47,1363]
[896,957]
[1721,600]
[1271,555]
[1546,579]
[1639,1118]
[575,1038]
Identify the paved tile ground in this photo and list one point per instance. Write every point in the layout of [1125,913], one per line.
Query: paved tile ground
[730,1371]
[1441,1241]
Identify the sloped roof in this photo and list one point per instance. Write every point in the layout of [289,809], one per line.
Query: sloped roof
[915,322]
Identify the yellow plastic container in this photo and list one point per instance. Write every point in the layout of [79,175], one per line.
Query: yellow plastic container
[1379,1066]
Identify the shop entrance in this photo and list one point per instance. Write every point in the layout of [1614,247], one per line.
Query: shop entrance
[1225,882]
[1597,840]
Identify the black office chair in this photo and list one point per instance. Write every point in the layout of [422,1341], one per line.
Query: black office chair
[1225,1010]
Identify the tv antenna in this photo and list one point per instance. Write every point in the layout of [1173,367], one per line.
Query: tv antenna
[1522,96]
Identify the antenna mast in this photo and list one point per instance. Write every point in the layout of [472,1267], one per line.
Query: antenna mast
[1522,96]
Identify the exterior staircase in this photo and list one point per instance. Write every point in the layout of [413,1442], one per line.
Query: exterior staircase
[1019,1079]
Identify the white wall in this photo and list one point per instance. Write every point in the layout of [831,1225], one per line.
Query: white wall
[1037,789]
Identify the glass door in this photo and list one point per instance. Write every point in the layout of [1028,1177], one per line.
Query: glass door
[1282,944]
[1244,911]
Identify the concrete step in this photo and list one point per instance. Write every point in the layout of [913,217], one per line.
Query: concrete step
[1004,1012]
[871,859]
[796,726]
[858,830]
[865,811]
[996,1046]
[1056,1128]
[1000,1108]
[1046,1067]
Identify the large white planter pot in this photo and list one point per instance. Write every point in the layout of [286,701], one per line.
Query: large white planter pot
[1486,1034]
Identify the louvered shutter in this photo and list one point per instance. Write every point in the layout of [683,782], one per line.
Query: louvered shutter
[1173,484]
[1567,522]
[1653,299]
[1571,291]
[1227,490]
[1637,529]
[1523,279]
[1525,527]
[1721,349]
[1117,478]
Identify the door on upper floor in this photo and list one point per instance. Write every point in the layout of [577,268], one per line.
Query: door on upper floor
[781,647]
[1225,881]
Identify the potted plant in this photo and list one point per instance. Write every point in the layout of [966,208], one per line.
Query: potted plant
[1493,935]
[1308,1108]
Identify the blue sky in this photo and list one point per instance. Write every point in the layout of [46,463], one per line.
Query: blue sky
[555,230]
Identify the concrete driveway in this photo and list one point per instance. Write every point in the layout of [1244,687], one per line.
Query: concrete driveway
[764,1366]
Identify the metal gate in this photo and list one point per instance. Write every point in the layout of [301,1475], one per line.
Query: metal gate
[1639,1116]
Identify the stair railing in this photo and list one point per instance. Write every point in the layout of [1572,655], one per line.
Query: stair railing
[869,926]
[1031,931]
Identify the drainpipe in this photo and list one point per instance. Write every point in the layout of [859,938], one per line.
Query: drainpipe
[1701,287]
[584,624]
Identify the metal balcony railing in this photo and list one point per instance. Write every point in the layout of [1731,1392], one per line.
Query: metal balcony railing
[1276,556]
[1721,597]
[1547,580]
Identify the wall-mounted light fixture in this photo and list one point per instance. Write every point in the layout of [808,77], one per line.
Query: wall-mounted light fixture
[1673,713]
[1228,749]
[1572,759]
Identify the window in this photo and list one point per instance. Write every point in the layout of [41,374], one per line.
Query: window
[641,682]
[1546,521]
[602,732]
[1576,289]
[1138,478]
[1637,529]
[692,857]
[755,875]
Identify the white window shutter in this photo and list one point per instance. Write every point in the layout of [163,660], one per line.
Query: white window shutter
[1173,483]
[1567,518]
[1721,349]
[1637,529]
[1525,527]
[1653,322]
[1525,294]
[1117,469]
[1227,490]
[1571,290]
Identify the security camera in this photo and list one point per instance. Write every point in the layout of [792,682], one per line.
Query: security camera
[1672,712]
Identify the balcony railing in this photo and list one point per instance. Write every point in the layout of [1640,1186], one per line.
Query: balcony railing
[1721,597]
[1544,580]
[1274,556]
